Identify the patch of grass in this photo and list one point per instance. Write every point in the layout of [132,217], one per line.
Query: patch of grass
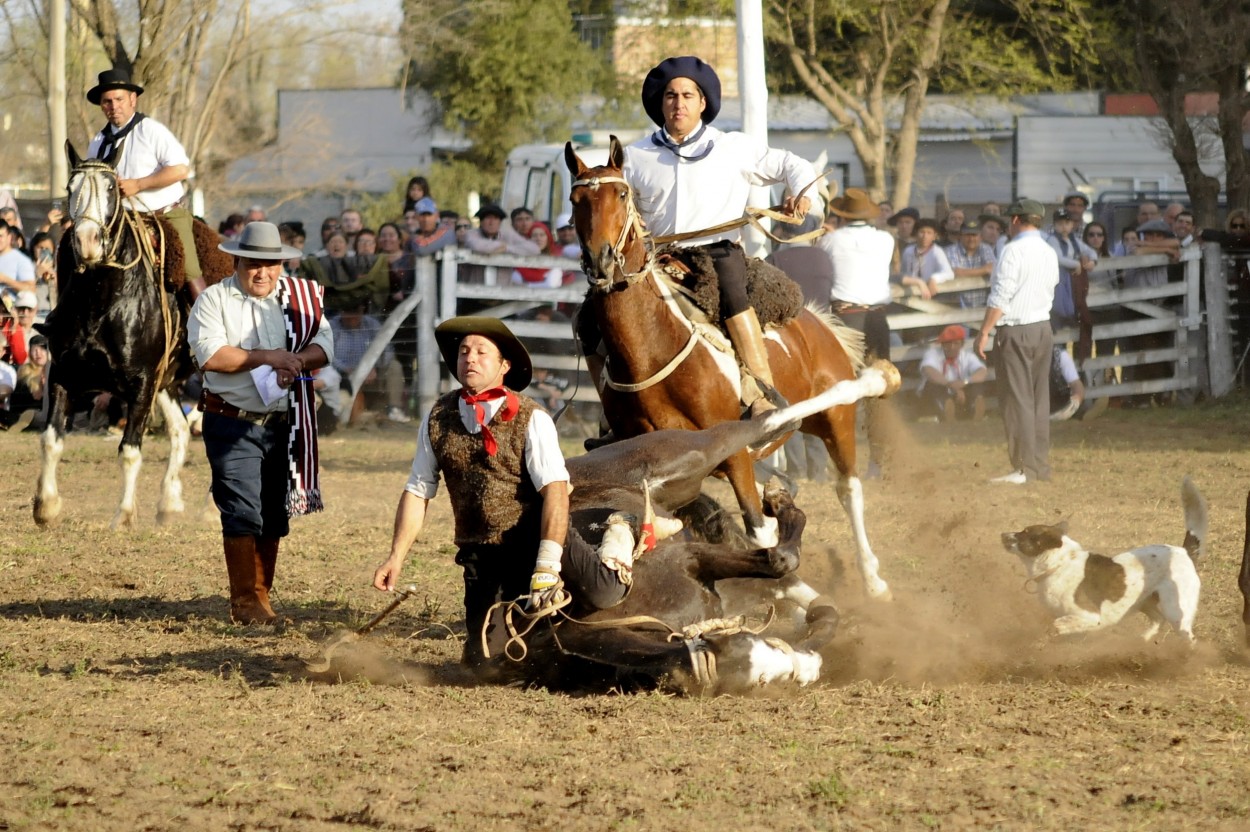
[829,790]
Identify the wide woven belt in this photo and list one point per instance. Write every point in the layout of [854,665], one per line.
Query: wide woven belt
[212,403]
[839,307]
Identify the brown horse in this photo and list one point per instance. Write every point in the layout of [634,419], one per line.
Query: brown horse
[661,372]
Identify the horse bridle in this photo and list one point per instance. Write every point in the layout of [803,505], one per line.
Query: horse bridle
[633,224]
[95,210]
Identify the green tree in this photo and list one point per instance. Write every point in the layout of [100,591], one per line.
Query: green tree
[506,72]
[872,62]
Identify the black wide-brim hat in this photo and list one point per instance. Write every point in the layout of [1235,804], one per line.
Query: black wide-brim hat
[452,331]
[112,79]
[687,66]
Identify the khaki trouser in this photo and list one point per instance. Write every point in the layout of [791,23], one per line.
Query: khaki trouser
[180,218]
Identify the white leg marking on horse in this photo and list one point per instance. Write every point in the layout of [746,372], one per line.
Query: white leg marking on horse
[869,384]
[179,433]
[131,460]
[47,499]
[773,664]
[766,536]
[851,493]
[795,589]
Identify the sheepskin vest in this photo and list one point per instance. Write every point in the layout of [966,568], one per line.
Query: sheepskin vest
[492,497]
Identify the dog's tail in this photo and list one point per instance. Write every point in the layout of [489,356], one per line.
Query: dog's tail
[1195,519]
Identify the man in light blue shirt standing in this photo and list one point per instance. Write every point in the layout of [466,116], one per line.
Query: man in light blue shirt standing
[1022,289]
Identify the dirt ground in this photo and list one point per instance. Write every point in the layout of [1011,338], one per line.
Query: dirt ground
[128,702]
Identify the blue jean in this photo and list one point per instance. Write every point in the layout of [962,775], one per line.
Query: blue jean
[249,465]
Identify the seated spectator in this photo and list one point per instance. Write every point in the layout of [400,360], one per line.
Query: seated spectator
[567,244]
[970,257]
[25,307]
[43,252]
[354,331]
[329,225]
[418,188]
[431,235]
[293,235]
[924,265]
[17,272]
[463,227]
[8,383]
[1076,260]
[1183,228]
[366,243]
[951,227]
[231,226]
[952,379]
[26,402]
[349,280]
[351,223]
[1067,392]
[1128,243]
[543,238]
[493,237]
[256,214]
[994,232]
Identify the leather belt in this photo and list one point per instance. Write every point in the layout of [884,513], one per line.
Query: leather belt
[212,403]
[841,306]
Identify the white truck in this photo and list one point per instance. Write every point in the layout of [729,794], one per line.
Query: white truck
[536,177]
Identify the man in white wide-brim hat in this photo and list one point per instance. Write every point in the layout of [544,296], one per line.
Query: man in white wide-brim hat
[258,336]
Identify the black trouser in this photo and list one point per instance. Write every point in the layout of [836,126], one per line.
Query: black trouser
[876,328]
[495,573]
[730,263]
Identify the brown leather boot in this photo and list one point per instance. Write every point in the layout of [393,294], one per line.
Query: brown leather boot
[748,340]
[249,596]
[267,548]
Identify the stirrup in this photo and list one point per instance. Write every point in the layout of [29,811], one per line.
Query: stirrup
[592,442]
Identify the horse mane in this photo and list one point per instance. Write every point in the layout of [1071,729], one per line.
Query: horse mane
[852,340]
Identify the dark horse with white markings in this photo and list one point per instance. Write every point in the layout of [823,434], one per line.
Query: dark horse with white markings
[117,328]
[660,372]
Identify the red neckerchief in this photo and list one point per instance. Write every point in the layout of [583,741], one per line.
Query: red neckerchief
[506,414]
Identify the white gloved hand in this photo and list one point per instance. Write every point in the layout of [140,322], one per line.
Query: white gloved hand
[545,581]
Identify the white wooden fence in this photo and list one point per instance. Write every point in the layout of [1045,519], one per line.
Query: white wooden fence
[1200,353]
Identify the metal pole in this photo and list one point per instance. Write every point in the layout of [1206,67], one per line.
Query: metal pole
[58,164]
[429,367]
[753,92]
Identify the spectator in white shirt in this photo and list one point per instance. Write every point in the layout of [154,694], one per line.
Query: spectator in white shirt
[952,379]
[924,263]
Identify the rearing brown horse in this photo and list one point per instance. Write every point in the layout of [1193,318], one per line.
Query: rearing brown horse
[662,372]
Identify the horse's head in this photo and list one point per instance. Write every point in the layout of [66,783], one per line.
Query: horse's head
[94,203]
[605,217]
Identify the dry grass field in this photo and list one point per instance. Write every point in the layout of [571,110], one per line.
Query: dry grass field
[128,702]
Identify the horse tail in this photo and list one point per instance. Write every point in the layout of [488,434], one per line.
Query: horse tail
[852,340]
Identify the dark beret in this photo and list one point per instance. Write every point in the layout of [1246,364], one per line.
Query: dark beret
[491,210]
[686,66]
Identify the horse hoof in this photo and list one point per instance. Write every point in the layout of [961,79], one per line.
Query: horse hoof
[893,380]
[47,512]
[879,590]
[123,520]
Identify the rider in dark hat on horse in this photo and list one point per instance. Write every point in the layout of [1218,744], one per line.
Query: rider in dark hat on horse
[690,176]
[151,164]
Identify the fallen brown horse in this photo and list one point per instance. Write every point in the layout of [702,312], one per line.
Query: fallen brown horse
[661,373]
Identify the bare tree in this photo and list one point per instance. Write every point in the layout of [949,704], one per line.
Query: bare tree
[1196,46]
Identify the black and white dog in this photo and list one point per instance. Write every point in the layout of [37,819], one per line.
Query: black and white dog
[1086,591]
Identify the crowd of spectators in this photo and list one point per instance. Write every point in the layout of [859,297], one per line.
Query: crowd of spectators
[368,272]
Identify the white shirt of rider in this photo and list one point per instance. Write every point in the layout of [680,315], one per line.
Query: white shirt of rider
[676,194]
[148,148]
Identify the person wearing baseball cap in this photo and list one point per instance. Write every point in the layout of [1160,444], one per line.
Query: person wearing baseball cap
[1022,291]
[952,378]
[688,176]
[500,456]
